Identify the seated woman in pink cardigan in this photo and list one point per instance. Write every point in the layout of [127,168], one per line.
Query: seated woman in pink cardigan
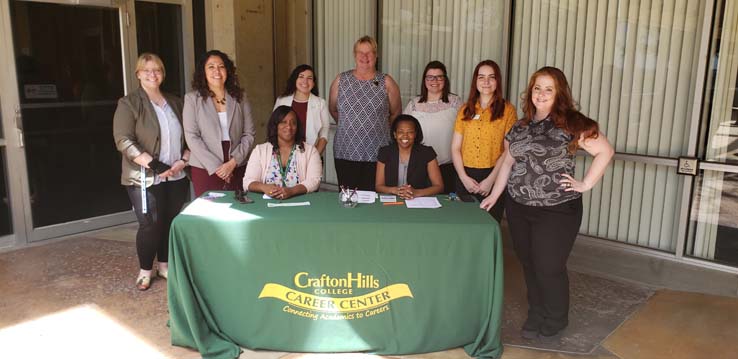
[284,166]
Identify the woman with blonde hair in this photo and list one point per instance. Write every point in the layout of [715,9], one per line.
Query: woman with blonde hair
[147,128]
[364,102]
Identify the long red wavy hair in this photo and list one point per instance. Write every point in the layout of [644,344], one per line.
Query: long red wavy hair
[564,113]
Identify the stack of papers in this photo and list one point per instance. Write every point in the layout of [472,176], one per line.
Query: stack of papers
[423,202]
[287,204]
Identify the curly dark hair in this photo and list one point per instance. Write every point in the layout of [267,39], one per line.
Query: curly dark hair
[414,121]
[292,81]
[200,83]
[277,116]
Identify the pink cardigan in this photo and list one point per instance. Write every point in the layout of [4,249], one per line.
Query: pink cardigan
[309,166]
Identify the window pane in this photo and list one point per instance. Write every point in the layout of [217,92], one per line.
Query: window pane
[713,233]
[159,30]
[457,33]
[338,24]
[632,67]
[70,78]
[713,222]
[721,118]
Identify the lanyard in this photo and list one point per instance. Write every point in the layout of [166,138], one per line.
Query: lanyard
[283,169]
[143,190]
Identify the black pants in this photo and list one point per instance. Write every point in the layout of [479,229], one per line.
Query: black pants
[543,238]
[163,202]
[448,173]
[478,174]
[356,174]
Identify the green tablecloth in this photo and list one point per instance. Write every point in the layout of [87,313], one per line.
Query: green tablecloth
[322,278]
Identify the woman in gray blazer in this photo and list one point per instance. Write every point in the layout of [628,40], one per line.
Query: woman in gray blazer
[148,133]
[218,125]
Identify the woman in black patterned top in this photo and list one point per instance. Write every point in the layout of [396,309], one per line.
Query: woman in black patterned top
[544,210]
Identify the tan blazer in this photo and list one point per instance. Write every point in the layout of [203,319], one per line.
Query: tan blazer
[136,130]
[203,134]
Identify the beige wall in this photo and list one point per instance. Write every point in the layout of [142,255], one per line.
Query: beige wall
[293,39]
[244,30]
[255,53]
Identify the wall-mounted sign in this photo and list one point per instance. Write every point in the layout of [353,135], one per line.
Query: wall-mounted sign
[687,166]
[46,91]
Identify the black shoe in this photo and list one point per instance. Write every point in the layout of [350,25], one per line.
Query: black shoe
[531,327]
[550,332]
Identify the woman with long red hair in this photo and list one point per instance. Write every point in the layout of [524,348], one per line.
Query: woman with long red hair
[479,130]
[544,205]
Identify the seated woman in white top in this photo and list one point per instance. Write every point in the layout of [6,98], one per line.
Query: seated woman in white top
[301,93]
[284,166]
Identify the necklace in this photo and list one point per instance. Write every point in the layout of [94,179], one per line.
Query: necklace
[221,101]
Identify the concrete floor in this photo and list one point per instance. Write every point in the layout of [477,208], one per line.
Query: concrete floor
[75,298]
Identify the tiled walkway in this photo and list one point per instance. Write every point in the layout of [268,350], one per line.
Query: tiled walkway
[75,298]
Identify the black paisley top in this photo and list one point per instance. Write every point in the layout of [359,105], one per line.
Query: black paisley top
[541,157]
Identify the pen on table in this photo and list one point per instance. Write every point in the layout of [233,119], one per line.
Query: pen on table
[393,203]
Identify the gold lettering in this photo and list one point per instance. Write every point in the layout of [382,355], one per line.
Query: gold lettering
[297,279]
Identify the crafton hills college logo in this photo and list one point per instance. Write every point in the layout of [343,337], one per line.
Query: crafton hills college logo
[319,302]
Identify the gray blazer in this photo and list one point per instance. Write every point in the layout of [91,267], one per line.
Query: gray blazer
[136,130]
[203,135]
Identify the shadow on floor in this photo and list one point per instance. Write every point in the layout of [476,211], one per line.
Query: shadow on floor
[51,293]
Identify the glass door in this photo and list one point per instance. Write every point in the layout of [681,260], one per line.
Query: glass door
[713,231]
[6,218]
[69,72]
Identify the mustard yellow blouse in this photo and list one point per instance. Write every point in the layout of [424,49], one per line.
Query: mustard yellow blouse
[482,142]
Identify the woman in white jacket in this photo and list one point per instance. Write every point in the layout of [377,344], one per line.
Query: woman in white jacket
[301,93]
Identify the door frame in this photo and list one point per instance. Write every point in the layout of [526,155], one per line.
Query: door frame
[18,181]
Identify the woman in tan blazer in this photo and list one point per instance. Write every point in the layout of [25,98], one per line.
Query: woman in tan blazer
[148,133]
[218,125]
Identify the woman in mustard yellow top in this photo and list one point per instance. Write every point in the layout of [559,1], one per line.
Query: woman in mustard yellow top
[479,132]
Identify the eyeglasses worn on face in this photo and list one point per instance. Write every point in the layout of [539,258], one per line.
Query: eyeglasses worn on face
[151,71]
[435,78]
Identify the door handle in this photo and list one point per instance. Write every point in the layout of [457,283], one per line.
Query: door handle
[19,129]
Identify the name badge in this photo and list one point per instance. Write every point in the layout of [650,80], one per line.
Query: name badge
[476,117]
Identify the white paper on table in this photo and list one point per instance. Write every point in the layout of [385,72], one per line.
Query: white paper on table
[366,196]
[286,204]
[214,195]
[203,207]
[266,196]
[423,202]
[387,198]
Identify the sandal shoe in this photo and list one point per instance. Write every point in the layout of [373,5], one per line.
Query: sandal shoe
[528,334]
[163,273]
[143,282]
